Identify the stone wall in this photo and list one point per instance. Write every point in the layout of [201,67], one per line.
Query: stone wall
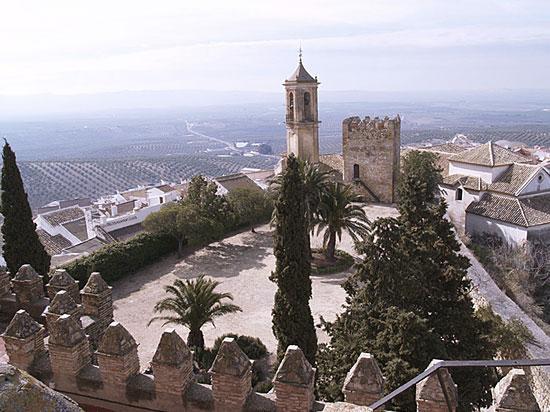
[371,147]
[115,381]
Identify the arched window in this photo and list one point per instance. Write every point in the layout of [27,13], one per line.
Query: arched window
[356,171]
[458,194]
[290,112]
[307,106]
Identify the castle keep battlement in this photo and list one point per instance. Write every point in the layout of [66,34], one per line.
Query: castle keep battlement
[371,152]
[115,382]
[355,123]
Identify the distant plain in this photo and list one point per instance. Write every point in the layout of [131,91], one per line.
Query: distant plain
[91,154]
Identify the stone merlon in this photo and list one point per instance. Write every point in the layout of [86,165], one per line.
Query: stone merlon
[62,303]
[116,340]
[95,284]
[365,375]
[231,360]
[27,273]
[355,123]
[171,350]
[66,331]
[294,368]
[22,326]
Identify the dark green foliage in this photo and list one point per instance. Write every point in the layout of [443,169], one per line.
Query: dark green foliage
[408,302]
[21,243]
[250,206]
[172,228]
[509,337]
[121,259]
[186,223]
[292,319]
[202,195]
[252,347]
[398,339]
[418,185]
[320,266]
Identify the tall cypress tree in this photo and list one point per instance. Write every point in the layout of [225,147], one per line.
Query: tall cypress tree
[21,243]
[292,319]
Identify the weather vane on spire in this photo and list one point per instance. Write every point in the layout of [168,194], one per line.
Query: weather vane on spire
[300,52]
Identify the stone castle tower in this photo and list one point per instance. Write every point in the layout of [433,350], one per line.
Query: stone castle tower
[302,118]
[371,151]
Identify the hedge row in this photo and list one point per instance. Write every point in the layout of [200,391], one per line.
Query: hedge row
[120,259]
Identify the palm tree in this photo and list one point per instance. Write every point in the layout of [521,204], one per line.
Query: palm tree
[316,186]
[339,210]
[192,304]
[316,182]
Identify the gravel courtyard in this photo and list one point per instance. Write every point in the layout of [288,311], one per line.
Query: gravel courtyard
[242,263]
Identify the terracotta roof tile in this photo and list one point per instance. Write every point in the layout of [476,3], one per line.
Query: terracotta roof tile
[525,212]
[513,178]
[236,181]
[58,217]
[468,182]
[54,245]
[489,154]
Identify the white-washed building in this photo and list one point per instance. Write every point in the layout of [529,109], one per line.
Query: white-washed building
[490,189]
[75,230]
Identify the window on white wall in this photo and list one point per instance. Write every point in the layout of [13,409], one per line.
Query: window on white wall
[458,194]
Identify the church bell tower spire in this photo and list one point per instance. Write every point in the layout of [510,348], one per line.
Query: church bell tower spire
[302,117]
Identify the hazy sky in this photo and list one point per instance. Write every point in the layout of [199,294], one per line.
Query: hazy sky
[74,46]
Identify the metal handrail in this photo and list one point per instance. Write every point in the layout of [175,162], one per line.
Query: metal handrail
[456,364]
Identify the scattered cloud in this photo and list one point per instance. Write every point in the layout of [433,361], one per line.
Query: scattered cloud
[80,46]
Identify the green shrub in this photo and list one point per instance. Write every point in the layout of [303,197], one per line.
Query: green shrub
[250,206]
[252,347]
[120,259]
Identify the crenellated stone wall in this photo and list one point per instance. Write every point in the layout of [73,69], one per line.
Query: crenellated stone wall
[115,382]
[371,153]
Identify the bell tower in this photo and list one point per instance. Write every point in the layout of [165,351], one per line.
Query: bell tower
[302,118]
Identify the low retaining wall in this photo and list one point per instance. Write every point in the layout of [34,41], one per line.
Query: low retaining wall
[486,292]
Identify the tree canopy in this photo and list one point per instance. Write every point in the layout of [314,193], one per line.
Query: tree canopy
[292,319]
[408,302]
[21,242]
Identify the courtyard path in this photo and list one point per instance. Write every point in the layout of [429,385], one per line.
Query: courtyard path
[242,263]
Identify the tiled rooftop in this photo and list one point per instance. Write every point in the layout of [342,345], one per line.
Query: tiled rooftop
[525,212]
[489,154]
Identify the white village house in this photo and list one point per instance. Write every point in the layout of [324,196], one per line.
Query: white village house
[490,189]
[69,232]
[75,230]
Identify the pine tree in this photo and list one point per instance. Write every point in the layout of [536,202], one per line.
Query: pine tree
[292,319]
[21,243]
[412,264]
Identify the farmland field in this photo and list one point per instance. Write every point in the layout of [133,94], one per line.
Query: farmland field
[63,158]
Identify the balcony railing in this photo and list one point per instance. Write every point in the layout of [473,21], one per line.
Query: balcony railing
[436,368]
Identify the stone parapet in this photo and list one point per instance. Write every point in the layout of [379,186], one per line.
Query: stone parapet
[61,304]
[231,377]
[117,355]
[24,340]
[61,280]
[97,300]
[294,382]
[364,383]
[513,394]
[172,364]
[69,348]
[27,285]
[430,396]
